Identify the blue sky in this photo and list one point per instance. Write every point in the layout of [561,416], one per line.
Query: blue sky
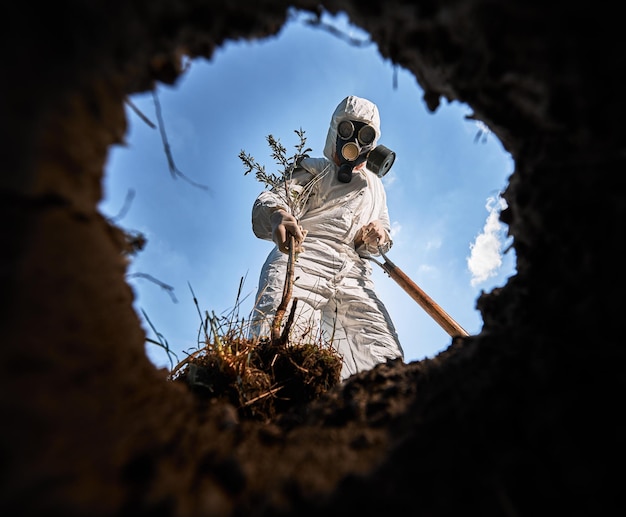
[442,191]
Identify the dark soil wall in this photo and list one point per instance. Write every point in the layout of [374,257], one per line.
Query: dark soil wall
[523,419]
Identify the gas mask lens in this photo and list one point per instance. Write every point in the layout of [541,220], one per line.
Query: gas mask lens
[350,151]
[365,133]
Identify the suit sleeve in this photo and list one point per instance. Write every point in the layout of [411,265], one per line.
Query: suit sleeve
[274,199]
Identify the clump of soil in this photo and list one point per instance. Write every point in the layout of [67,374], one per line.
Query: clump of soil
[261,379]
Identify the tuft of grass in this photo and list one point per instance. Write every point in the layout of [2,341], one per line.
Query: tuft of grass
[263,380]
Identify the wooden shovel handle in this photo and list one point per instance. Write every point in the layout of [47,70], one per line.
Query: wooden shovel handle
[425,301]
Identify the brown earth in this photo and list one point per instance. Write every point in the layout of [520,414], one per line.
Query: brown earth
[522,419]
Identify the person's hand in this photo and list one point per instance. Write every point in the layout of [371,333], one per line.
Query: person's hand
[285,225]
[372,234]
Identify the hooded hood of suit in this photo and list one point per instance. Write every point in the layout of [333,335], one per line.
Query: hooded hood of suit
[356,109]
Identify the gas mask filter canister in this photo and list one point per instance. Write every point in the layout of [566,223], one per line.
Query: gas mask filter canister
[380,159]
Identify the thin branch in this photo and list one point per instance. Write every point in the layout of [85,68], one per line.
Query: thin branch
[139,113]
[130,195]
[316,21]
[174,171]
[166,287]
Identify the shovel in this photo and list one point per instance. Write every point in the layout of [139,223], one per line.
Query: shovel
[425,301]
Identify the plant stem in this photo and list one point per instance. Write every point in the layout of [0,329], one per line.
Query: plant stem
[287,289]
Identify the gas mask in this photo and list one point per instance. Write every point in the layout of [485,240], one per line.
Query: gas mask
[354,146]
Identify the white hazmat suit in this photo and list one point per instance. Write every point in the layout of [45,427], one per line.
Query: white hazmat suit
[337,302]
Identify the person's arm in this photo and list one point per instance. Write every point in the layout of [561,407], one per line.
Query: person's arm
[271,216]
[264,206]
[378,231]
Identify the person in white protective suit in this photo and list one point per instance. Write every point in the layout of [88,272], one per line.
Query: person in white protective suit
[344,219]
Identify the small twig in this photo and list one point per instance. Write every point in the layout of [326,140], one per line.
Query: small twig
[174,171]
[262,396]
[297,365]
[315,21]
[166,287]
[140,114]
[125,207]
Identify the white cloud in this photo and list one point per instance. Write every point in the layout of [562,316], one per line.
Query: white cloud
[486,251]
[396,227]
